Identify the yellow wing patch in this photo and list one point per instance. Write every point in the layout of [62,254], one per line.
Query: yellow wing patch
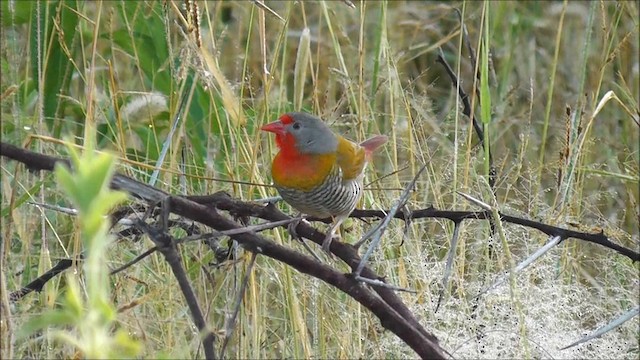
[350,158]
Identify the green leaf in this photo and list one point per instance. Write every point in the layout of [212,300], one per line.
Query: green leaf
[22,198]
[52,59]
[16,12]
[146,40]
[52,318]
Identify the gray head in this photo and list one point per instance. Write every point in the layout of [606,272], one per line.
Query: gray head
[307,133]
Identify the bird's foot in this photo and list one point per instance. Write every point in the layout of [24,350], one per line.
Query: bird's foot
[335,226]
[326,243]
[291,228]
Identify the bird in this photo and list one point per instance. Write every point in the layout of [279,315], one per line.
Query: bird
[317,171]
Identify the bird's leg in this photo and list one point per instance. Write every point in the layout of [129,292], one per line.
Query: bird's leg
[291,228]
[335,225]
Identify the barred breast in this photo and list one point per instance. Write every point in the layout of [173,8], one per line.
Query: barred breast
[334,197]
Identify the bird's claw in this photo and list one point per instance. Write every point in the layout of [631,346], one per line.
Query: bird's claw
[326,243]
[291,228]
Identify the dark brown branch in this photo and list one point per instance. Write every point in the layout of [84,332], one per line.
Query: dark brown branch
[236,207]
[596,238]
[466,105]
[388,315]
[168,249]
[345,252]
[40,281]
[388,307]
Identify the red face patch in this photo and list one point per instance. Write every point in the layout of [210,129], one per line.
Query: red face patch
[287,144]
[284,139]
[286,119]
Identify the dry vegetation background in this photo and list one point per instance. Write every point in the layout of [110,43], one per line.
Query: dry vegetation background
[130,67]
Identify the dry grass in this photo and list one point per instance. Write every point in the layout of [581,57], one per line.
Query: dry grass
[370,70]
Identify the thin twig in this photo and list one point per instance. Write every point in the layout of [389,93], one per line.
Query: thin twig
[449,264]
[167,247]
[378,230]
[475,201]
[543,250]
[231,323]
[374,282]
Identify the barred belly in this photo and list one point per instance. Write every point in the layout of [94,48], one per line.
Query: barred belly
[334,197]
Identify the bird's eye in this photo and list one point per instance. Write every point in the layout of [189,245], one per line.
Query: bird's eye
[296,126]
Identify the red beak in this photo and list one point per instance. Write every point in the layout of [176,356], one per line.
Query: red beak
[276,127]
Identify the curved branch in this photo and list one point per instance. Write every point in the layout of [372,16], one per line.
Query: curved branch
[241,208]
[388,307]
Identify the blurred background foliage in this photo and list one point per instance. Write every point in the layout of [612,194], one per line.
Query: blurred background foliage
[135,70]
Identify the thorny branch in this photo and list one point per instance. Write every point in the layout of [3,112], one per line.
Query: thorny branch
[167,247]
[386,305]
[382,302]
